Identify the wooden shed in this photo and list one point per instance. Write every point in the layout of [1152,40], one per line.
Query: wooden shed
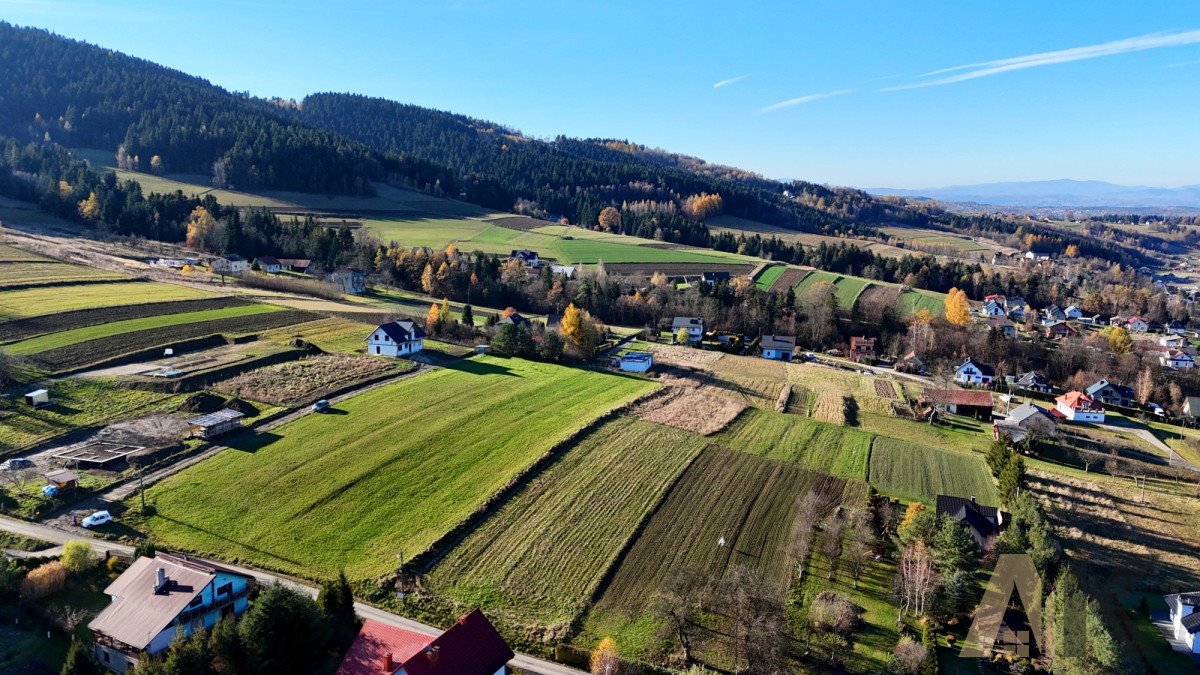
[216,423]
[63,479]
[37,398]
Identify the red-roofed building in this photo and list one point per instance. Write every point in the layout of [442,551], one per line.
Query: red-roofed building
[381,648]
[1079,407]
[862,349]
[469,647]
[972,403]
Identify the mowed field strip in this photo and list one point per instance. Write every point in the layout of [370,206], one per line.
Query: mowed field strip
[22,303]
[920,473]
[542,555]
[390,470]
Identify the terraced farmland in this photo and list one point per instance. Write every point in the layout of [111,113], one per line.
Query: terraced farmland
[21,274]
[539,559]
[23,303]
[66,338]
[747,500]
[99,350]
[919,473]
[21,329]
[837,450]
[769,276]
[392,470]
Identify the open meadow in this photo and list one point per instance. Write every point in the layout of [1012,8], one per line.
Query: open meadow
[390,470]
[837,450]
[919,473]
[21,303]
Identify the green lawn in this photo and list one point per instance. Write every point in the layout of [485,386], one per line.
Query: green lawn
[539,559]
[769,276]
[389,471]
[70,337]
[16,304]
[915,299]
[36,273]
[837,450]
[813,278]
[847,290]
[919,473]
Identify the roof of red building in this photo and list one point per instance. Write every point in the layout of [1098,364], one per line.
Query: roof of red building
[1077,400]
[470,647]
[958,397]
[375,641]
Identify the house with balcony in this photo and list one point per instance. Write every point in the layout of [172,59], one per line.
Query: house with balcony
[974,372]
[157,599]
[1077,406]
[694,326]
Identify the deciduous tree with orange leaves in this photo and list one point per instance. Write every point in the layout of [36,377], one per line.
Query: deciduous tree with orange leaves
[958,310]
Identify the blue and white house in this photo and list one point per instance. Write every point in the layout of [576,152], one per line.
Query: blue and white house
[694,326]
[161,597]
[1185,618]
[635,362]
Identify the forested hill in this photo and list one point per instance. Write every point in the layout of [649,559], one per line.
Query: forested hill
[566,177]
[81,95]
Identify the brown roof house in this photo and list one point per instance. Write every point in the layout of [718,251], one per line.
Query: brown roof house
[470,647]
[971,403]
[161,597]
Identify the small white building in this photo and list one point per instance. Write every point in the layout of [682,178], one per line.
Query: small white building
[1077,406]
[777,347]
[396,339]
[230,263]
[635,362]
[1185,618]
[694,326]
[567,271]
[1073,312]
[1136,324]
[973,372]
[37,398]
[1175,341]
[269,264]
[991,310]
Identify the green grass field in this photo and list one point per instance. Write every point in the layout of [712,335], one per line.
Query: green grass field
[47,272]
[912,300]
[748,500]
[21,303]
[918,473]
[70,337]
[11,254]
[769,276]
[390,470]
[538,560]
[847,290]
[76,403]
[837,450]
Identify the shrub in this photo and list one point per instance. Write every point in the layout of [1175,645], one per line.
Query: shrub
[44,580]
[78,557]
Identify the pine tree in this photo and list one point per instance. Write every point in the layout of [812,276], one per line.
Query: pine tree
[468,318]
[79,661]
[1012,478]
[929,642]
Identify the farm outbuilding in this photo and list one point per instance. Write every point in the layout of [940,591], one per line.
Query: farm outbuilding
[63,479]
[37,398]
[977,404]
[636,362]
[216,423]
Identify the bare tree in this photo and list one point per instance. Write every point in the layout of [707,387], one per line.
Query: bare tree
[862,547]
[19,479]
[808,512]
[916,579]
[833,614]
[833,533]
[908,657]
[68,618]
[678,607]
[758,627]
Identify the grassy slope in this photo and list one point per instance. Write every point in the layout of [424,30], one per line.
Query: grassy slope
[540,558]
[35,301]
[769,277]
[837,450]
[70,337]
[919,473]
[392,470]
[26,273]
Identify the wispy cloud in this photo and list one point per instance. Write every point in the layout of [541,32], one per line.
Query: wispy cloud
[799,100]
[973,71]
[1183,63]
[732,80]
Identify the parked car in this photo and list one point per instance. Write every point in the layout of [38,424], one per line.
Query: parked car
[96,519]
[18,463]
[321,406]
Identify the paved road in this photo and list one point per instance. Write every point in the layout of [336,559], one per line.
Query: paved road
[1155,442]
[56,536]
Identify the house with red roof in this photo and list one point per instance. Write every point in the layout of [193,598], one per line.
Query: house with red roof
[469,647]
[1136,324]
[1077,406]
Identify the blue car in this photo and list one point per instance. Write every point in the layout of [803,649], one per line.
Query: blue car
[321,406]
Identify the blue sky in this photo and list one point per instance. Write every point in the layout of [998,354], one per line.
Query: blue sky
[836,92]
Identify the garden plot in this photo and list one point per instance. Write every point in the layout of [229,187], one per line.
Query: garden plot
[298,381]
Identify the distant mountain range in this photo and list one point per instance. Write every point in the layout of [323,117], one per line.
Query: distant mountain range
[1058,194]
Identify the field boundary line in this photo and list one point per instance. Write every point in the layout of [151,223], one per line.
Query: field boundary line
[425,560]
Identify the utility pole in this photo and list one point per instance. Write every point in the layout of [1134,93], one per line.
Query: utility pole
[142,487]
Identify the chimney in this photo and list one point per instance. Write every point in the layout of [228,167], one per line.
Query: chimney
[160,580]
[388,666]
[999,517]
[972,499]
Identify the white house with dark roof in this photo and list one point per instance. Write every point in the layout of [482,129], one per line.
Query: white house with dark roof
[1177,359]
[1073,312]
[694,326]
[1185,618]
[991,310]
[230,263]
[984,522]
[777,347]
[157,599]
[396,338]
[973,372]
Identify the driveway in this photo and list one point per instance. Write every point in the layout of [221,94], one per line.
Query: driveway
[1153,441]
[54,535]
